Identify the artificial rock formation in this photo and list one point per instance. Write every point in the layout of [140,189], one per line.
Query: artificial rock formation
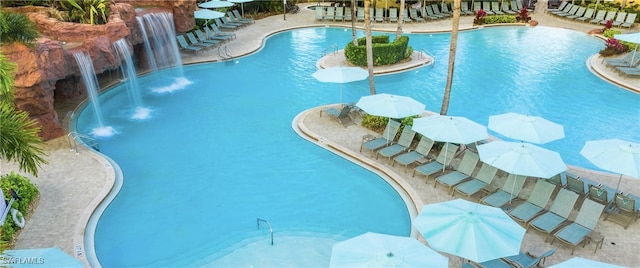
[49,69]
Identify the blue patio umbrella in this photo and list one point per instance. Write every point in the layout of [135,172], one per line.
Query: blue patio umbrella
[40,258]
[614,155]
[241,2]
[207,14]
[469,230]
[527,128]
[340,75]
[631,38]
[215,4]
[383,250]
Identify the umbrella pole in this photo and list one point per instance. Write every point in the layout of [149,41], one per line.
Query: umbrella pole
[444,165]
[618,186]
[341,95]
[513,189]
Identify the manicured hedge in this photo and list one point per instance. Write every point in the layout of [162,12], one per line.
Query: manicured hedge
[384,53]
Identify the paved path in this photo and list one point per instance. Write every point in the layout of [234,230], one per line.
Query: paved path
[72,185]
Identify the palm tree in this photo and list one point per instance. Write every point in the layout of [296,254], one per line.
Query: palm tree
[452,57]
[19,138]
[400,20]
[353,23]
[369,45]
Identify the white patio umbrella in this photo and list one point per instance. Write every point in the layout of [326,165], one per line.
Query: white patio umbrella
[392,106]
[383,250]
[614,155]
[469,230]
[522,159]
[241,2]
[631,38]
[584,263]
[206,14]
[527,128]
[341,75]
[215,4]
[449,129]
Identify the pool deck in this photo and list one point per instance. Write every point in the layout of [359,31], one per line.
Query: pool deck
[73,184]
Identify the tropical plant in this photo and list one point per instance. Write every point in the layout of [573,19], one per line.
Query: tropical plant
[369,45]
[19,138]
[15,27]
[28,194]
[86,11]
[480,15]
[452,55]
[523,15]
[613,47]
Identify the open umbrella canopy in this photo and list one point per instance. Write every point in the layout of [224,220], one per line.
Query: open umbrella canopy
[215,4]
[632,38]
[521,158]
[526,128]
[42,257]
[583,263]
[469,230]
[382,250]
[241,2]
[614,155]
[341,75]
[206,14]
[392,106]
[452,129]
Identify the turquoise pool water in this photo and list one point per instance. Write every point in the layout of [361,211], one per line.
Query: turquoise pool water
[220,153]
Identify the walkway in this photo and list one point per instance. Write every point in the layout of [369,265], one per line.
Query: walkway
[72,185]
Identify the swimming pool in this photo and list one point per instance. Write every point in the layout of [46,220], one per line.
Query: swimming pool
[220,153]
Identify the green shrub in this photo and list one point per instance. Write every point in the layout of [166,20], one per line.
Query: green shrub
[500,19]
[384,53]
[375,123]
[28,194]
[610,32]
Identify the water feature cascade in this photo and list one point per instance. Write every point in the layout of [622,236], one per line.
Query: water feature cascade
[129,74]
[85,64]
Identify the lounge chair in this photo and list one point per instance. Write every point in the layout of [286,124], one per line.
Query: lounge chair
[563,10]
[319,13]
[559,179]
[464,9]
[462,173]
[444,159]
[379,15]
[347,14]
[339,16]
[241,18]
[413,13]
[480,181]
[427,12]
[213,30]
[204,38]
[486,5]
[182,43]
[571,11]
[599,17]
[444,9]
[393,14]
[508,10]
[577,185]
[226,21]
[557,214]
[232,18]
[629,60]
[436,11]
[222,25]
[601,194]
[578,13]
[371,14]
[631,18]
[360,14]
[609,17]
[476,7]
[331,14]
[341,115]
[510,191]
[522,260]
[388,136]
[421,152]
[405,16]
[560,7]
[495,8]
[535,204]
[579,229]
[587,15]
[629,71]
[625,206]
[403,144]
[195,42]
[619,19]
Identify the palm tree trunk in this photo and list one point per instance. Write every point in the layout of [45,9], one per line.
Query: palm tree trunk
[369,45]
[353,22]
[452,56]
[400,20]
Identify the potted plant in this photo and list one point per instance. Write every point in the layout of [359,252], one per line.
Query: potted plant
[479,19]
[523,15]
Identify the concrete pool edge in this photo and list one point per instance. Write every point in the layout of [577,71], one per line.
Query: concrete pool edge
[411,198]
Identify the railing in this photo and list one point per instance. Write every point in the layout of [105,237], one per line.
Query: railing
[333,47]
[225,53]
[75,138]
[268,224]
[426,52]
